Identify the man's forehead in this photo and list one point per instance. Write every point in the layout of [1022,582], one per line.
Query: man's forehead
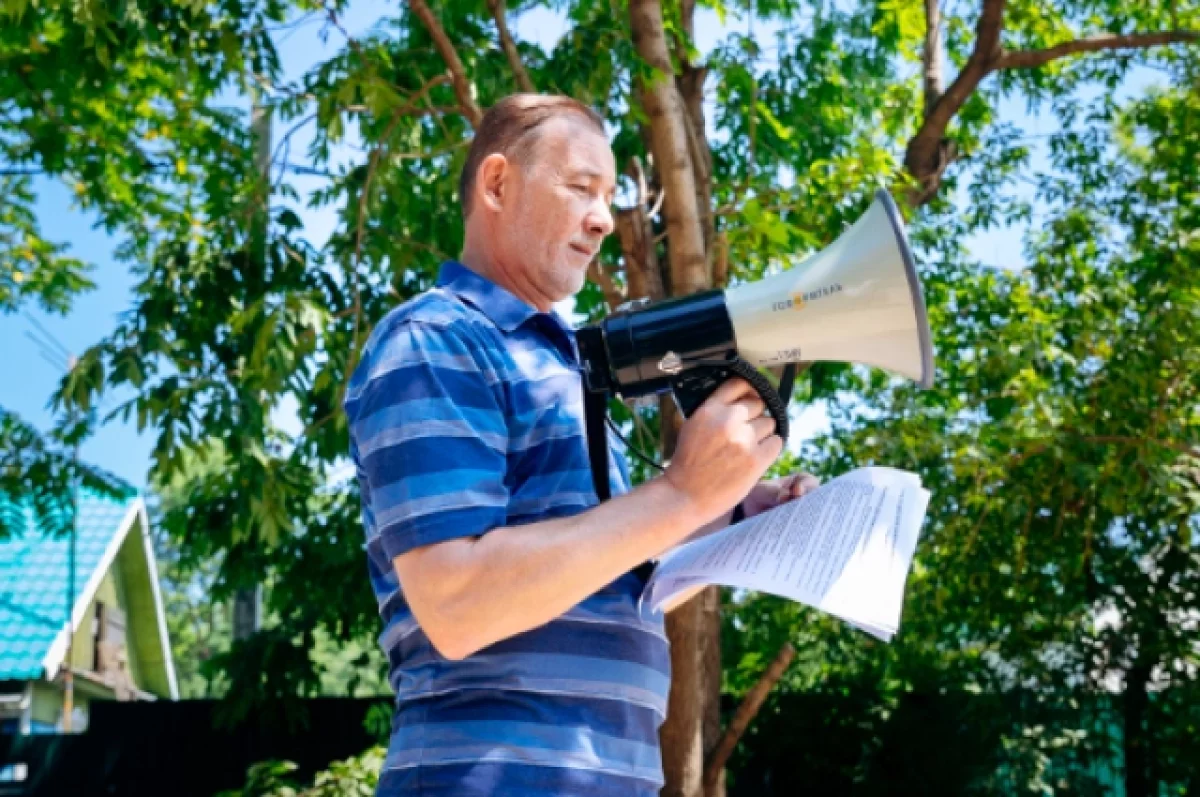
[578,148]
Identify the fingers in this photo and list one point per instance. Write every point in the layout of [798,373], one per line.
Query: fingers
[763,426]
[740,395]
[770,449]
[734,389]
[725,448]
[798,485]
[753,406]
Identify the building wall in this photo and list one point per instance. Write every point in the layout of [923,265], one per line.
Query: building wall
[83,650]
[47,705]
[47,702]
[111,592]
[133,605]
[146,661]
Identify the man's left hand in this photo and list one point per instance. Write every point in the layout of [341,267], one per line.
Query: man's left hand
[770,493]
[767,494]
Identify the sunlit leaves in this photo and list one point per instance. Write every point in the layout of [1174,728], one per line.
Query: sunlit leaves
[32,268]
[41,478]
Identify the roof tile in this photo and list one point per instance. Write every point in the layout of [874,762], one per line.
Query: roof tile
[33,582]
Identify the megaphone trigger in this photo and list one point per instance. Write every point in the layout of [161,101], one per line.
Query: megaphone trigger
[692,387]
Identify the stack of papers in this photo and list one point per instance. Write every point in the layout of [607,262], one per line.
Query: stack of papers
[845,549]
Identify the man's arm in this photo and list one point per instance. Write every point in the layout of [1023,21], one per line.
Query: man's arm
[470,593]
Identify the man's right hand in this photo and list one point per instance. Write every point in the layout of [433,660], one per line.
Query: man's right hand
[724,448]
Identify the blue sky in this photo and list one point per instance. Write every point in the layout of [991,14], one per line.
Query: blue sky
[29,380]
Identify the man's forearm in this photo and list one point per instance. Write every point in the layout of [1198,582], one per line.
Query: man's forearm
[708,528]
[711,527]
[474,592]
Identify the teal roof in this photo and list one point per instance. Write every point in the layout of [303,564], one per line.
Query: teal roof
[33,580]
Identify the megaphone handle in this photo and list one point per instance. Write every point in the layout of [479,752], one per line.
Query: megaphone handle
[692,387]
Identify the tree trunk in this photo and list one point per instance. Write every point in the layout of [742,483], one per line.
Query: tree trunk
[681,164]
[643,275]
[1137,756]
[247,601]
[247,612]
[669,142]
[708,642]
[682,735]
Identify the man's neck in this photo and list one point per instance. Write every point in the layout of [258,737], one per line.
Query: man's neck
[482,263]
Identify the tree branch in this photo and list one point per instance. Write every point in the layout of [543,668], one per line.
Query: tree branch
[691,89]
[643,277]
[1026,59]
[721,260]
[510,47]
[372,165]
[599,273]
[927,154]
[353,42]
[462,86]
[932,55]
[744,714]
[423,92]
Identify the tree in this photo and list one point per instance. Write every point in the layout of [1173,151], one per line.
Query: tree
[846,98]
[120,105]
[1061,450]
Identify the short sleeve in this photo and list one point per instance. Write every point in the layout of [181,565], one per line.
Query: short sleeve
[429,437]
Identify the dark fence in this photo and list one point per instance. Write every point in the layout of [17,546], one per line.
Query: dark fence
[955,744]
[838,742]
[158,749]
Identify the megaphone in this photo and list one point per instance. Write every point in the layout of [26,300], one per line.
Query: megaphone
[858,300]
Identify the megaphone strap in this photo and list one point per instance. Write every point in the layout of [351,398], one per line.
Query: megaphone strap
[595,411]
[770,396]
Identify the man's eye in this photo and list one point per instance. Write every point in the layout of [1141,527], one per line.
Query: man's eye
[583,189]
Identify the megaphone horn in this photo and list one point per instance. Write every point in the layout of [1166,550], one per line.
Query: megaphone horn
[858,300]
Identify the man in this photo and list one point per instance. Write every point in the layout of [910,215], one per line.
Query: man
[521,660]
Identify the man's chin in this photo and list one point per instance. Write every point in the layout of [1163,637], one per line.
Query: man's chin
[569,284]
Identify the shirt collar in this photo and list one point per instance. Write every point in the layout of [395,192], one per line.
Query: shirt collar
[504,309]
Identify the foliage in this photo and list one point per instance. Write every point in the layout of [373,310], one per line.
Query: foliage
[44,476]
[31,268]
[353,777]
[848,738]
[199,617]
[1062,448]
[120,102]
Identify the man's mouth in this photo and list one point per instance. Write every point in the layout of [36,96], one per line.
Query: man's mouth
[583,250]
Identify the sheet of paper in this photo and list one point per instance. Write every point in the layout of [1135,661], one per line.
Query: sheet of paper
[845,549]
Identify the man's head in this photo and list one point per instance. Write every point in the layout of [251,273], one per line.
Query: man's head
[536,190]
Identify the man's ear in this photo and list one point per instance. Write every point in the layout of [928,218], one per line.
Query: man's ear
[492,181]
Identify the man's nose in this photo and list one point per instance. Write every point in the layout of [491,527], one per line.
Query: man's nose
[599,220]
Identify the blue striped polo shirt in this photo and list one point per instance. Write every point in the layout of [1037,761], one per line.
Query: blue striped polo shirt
[466,415]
